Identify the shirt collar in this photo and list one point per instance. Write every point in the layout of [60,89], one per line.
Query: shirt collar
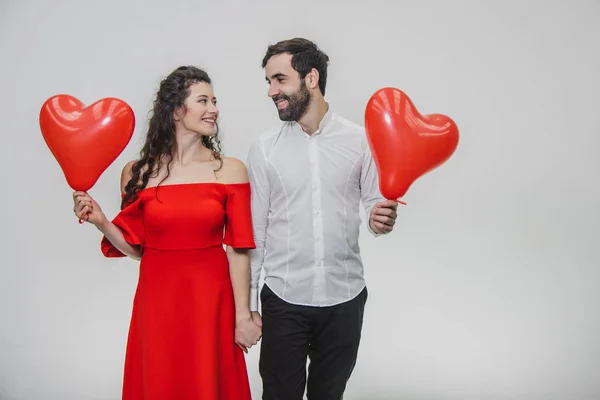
[323,125]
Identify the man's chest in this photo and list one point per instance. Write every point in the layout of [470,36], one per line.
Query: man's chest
[330,164]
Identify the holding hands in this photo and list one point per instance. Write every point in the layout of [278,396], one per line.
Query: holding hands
[248,331]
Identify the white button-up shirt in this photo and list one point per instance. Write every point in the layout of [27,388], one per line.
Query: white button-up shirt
[306,191]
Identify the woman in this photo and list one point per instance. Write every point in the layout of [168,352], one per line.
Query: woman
[182,200]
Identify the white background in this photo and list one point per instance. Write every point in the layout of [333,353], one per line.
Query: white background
[487,289]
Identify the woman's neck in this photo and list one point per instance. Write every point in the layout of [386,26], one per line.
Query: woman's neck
[189,147]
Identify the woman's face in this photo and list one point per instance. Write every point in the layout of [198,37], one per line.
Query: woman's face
[201,112]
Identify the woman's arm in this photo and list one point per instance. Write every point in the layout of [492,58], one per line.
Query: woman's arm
[247,332]
[111,231]
[239,270]
[86,208]
[116,238]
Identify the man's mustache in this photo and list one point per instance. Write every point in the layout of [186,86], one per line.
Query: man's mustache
[280,97]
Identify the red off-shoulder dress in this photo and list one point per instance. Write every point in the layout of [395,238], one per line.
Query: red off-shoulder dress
[181,337]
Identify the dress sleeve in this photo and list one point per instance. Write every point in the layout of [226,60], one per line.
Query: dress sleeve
[238,226]
[131,223]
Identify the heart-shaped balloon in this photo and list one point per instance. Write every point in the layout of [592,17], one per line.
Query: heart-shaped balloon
[405,144]
[85,140]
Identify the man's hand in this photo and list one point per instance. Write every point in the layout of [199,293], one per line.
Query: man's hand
[383,216]
[257,319]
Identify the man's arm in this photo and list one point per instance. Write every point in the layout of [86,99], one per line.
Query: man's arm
[259,184]
[381,213]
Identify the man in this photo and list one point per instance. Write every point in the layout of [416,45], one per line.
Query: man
[308,177]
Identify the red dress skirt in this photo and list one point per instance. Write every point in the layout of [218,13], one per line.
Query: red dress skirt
[181,338]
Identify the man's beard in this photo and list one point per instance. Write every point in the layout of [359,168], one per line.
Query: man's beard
[297,104]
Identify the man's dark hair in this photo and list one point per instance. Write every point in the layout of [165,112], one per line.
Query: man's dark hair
[306,55]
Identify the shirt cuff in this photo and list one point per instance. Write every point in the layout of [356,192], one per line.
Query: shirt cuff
[253,299]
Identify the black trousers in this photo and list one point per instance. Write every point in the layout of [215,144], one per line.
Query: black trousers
[329,336]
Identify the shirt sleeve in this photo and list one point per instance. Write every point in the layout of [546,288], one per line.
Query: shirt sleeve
[260,203]
[369,184]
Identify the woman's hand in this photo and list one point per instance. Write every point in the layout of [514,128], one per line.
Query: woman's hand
[86,209]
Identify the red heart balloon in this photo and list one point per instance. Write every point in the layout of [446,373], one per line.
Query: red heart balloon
[405,144]
[85,140]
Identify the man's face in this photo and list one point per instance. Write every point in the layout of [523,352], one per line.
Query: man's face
[288,91]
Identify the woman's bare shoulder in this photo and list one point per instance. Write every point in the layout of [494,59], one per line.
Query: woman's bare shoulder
[127,174]
[233,171]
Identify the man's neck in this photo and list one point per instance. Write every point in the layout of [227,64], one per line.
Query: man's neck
[311,121]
